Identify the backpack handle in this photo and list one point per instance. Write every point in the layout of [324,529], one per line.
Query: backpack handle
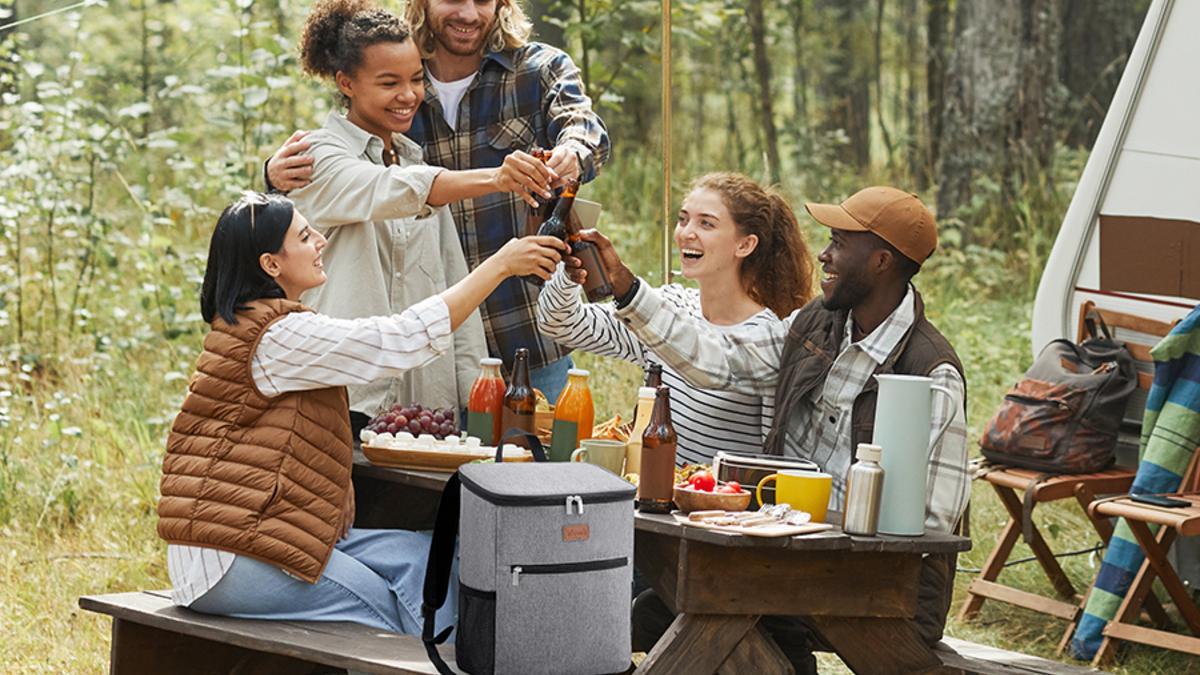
[535,444]
[1093,319]
[437,572]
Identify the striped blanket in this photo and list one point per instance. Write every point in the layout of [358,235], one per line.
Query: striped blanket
[1170,434]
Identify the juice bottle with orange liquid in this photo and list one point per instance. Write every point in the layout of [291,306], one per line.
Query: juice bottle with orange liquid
[574,415]
[486,403]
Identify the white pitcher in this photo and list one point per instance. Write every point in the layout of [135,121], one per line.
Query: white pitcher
[902,418]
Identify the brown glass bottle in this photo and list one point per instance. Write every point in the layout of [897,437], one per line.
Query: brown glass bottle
[536,216]
[657,481]
[653,375]
[559,222]
[520,403]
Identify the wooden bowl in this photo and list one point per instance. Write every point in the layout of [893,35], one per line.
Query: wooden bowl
[689,500]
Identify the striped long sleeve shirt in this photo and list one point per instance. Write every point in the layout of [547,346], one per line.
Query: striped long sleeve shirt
[706,420]
[305,351]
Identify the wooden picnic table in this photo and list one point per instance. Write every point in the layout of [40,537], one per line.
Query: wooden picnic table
[858,592]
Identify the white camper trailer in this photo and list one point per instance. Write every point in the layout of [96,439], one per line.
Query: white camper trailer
[1130,240]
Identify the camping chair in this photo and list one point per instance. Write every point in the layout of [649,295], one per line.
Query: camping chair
[1171,523]
[1139,335]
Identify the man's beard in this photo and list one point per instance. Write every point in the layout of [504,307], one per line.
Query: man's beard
[849,291]
[449,44]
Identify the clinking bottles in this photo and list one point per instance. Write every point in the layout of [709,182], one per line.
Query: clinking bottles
[485,405]
[574,415]
[597,285]
[520,403]
[657,480]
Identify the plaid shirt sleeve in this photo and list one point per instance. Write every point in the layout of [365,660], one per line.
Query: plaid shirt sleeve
[569,114]
[949,485]
[742,361]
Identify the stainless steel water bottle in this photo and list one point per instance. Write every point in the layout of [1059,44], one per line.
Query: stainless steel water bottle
[863,491]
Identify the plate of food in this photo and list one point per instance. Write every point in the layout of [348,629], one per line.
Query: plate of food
[405,451]
[769,521]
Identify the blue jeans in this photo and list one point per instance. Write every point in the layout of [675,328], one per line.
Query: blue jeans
[551,378]
[374,577]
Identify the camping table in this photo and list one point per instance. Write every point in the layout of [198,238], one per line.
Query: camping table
[858,592]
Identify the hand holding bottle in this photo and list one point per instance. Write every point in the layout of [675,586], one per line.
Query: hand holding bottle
[619,275]
[525,176]
[564,162]
[537,256]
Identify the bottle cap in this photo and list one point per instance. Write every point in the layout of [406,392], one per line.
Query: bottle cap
[868,452]
[578,372]
[488,361]
[645,392]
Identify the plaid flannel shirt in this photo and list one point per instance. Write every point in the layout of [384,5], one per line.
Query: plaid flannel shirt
[522,98]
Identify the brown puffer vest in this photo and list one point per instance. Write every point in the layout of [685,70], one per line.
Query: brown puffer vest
[260,477]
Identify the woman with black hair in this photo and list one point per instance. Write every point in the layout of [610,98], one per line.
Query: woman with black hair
[257,503]
[392,240]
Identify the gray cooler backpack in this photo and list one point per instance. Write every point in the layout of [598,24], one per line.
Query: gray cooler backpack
[545,568]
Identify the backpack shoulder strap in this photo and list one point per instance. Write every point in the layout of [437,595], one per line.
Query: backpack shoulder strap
[437,572]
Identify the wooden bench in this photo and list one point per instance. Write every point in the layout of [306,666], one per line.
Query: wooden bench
[151,636]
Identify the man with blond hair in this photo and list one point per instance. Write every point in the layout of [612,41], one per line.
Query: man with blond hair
[490,91]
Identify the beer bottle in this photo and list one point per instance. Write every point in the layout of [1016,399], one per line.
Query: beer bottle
[535,216]
[653,375]
[657,480]
[520,403]
[558,224]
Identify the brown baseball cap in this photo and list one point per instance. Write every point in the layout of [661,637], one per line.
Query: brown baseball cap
[896,216]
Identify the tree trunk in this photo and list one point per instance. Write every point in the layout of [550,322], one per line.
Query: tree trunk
[8,47]
[1000,95]
[1097,38]
[799,74]
[937,34]
[879,112]
[914,143]
[845,84]
[762,74]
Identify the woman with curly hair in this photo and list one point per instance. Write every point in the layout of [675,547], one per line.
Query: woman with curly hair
[742,246]
[392,240]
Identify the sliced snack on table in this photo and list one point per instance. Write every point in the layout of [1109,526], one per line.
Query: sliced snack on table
[772,520]
[405,451]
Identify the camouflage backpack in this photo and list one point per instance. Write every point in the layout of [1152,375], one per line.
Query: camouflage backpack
[1063,416]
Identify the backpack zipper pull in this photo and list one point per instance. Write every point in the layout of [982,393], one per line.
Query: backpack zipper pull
[516,575]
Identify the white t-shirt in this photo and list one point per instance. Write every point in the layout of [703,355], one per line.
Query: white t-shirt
[451,94]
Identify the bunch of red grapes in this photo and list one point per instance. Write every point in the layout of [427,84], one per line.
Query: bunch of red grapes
[416,419]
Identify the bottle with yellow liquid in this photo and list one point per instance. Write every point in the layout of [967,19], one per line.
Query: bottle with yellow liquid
[574,415]
[641,419]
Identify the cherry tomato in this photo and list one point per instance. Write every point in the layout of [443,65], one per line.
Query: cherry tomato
[704,481]
[734,485]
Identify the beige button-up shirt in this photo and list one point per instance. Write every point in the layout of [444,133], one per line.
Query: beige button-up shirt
[387,250]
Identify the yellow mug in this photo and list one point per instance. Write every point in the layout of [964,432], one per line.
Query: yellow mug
[804,490]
